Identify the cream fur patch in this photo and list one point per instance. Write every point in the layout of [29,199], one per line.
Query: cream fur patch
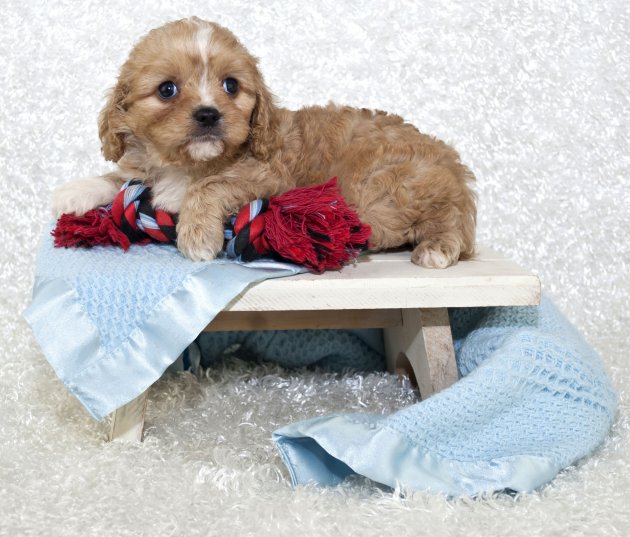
[203,45]
[169,191]
[206,150]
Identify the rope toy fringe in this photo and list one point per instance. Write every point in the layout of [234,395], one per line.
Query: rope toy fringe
[311,226]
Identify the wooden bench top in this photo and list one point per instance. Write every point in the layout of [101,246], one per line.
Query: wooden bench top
[390,280]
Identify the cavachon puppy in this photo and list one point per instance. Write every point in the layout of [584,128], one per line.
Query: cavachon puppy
[192,117]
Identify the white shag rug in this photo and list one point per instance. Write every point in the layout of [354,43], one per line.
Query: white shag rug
[533,95]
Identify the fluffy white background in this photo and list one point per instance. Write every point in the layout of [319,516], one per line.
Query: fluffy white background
[535,97]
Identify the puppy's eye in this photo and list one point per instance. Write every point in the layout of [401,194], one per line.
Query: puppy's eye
[168,90]
[230,85]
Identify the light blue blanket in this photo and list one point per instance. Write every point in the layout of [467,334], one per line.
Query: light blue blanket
[111,322]
[534,397]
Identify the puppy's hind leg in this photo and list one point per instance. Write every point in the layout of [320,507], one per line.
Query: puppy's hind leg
[432,210]
[445,229]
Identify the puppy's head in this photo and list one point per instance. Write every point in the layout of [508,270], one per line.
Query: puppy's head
[189,92]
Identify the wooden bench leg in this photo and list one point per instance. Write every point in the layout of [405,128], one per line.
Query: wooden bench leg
[128,420]
[423,348]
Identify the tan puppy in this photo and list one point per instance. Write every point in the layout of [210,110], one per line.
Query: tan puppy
[191,116]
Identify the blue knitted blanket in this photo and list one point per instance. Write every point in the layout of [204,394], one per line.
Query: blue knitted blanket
[111,322]
[534,397]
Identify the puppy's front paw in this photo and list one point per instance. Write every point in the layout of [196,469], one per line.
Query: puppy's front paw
[78,197]
[199,242]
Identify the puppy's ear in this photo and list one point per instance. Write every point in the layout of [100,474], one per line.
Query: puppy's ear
[111,123]
[264,136]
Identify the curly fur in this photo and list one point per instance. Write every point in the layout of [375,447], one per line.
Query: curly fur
[409,187]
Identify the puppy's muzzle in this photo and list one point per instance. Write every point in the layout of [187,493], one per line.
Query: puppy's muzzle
[207,117]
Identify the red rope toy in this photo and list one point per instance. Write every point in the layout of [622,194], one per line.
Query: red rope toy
[311,226]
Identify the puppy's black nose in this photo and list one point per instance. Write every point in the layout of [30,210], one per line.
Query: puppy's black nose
[207,116]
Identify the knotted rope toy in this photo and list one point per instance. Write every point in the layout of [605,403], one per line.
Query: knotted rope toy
[311,226]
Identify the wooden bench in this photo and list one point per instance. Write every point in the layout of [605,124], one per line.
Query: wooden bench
[383,290]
